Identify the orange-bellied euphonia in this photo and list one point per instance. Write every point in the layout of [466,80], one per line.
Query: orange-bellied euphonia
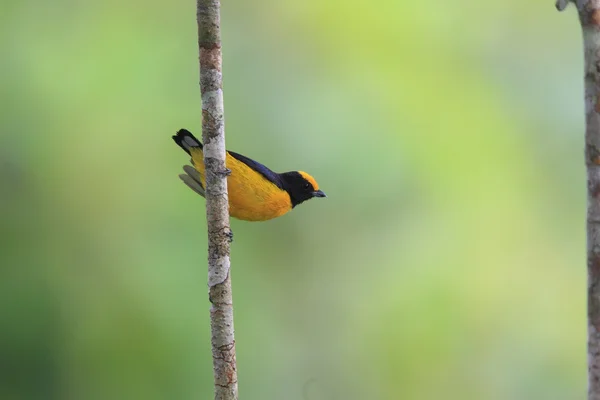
[255,192]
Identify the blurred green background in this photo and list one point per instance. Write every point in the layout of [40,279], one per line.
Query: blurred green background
[448,260]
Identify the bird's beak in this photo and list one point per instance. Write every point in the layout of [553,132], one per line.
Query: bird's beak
[319,193]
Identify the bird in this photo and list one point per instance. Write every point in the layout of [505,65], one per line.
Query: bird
[256,193]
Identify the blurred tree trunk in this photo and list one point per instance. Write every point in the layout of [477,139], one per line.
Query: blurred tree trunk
[589,17]
[217,205]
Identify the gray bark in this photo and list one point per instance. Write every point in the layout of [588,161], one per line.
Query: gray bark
[589,17]
[217,205]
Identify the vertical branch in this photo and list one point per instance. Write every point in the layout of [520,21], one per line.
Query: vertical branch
[217,205]
[590,23]
[589,16]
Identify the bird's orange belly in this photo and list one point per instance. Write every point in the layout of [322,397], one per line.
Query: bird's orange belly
[251,202]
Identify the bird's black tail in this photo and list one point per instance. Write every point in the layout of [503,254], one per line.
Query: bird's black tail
[186,140]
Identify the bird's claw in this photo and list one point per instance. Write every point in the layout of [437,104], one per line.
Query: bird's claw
[562,4]
[226,172]
[229,235]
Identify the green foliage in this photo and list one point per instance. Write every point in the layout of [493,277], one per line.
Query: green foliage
[446,262]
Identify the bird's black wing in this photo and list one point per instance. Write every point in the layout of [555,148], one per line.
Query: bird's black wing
[273,177]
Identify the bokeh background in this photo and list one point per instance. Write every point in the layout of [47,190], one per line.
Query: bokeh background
[447,262]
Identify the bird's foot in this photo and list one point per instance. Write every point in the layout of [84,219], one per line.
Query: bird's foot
[562,4]
[229,235]
[226,172]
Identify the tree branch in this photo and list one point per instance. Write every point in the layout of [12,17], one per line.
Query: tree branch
[217,205]
[589,16]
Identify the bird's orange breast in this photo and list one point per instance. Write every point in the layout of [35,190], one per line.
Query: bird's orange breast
[252,197]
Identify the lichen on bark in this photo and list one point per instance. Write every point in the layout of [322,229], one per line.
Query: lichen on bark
[217,205]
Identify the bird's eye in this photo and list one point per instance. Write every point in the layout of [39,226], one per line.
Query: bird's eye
[306,185]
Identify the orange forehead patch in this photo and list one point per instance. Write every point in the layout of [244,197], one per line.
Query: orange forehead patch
[310,179]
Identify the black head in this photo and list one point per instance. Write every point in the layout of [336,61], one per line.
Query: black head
[300,186]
